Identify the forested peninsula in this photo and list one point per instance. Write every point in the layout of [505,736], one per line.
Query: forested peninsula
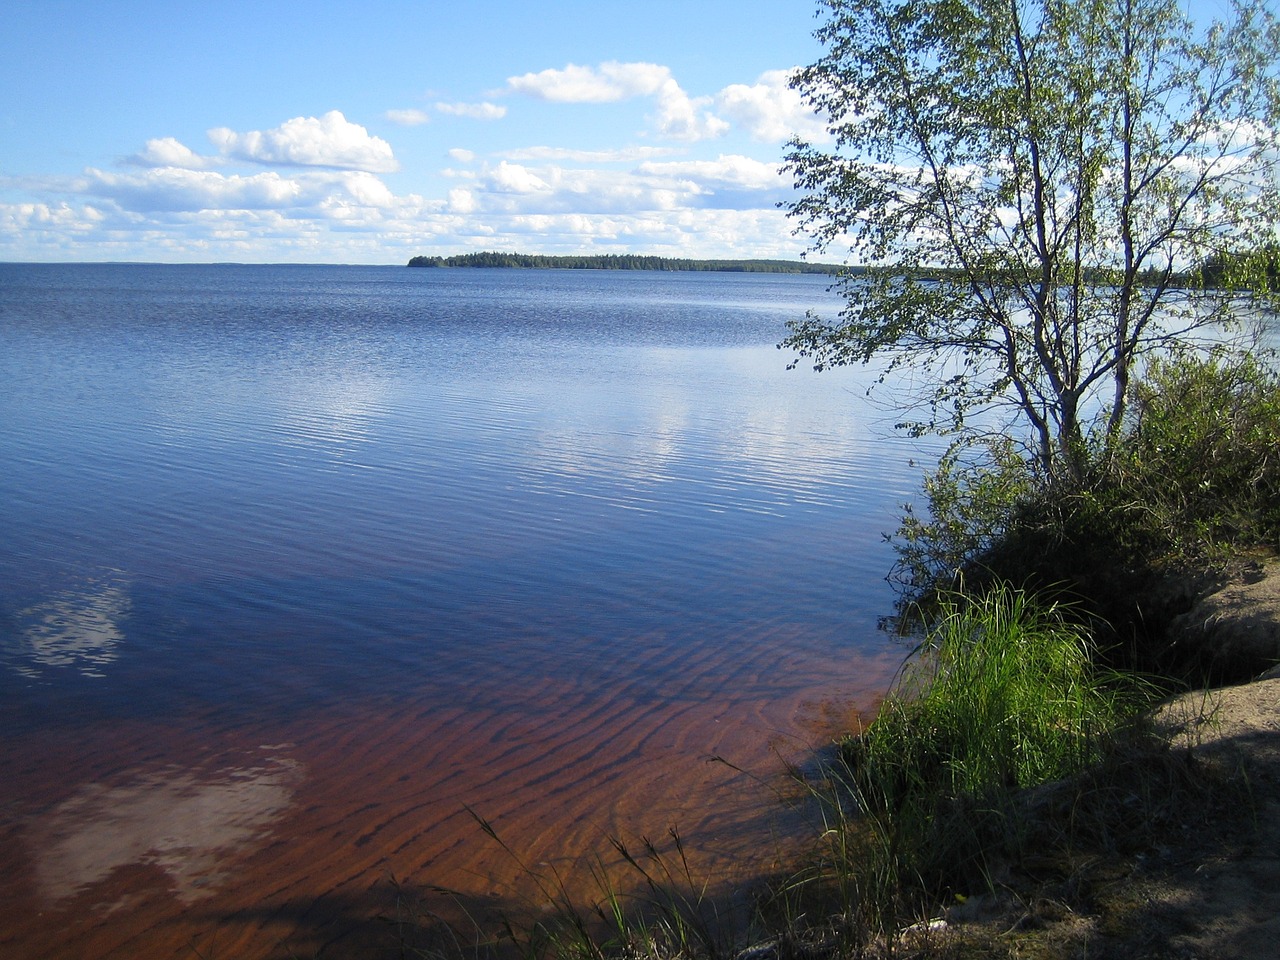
[526,261]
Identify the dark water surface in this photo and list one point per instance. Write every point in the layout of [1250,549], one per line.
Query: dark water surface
[297,563]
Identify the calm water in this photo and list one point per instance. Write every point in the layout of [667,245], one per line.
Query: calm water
[298,561]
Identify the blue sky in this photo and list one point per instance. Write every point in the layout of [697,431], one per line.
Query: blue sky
[280,131]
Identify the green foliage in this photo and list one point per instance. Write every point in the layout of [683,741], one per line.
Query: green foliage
[1194,477]
[1004,695]
[1236,270]
[1025,179]
[1203,454]
[971,497]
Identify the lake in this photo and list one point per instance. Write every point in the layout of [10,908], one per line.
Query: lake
[305,568]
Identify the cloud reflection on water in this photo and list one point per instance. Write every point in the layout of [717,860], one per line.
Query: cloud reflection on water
[78,628]
[732,425]
[184,823]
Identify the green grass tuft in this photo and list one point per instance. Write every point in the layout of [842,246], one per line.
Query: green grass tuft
[1004,695]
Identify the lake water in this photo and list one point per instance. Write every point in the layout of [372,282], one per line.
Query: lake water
[299,564]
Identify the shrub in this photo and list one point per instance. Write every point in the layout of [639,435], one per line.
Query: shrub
[1194,477]
[972,497]
[1203,453]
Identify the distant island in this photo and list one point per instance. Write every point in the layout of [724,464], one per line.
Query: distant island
[524,261]
[1214,272]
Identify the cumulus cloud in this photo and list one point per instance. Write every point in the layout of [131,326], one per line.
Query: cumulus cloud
[730,182]
[171,189]
[769,110]
[701,233]
[681,117]
[461,201]
[43,231]
[175,189]
[168,152]
[732,169]
[408,118]
[360,188]
[514,178]
[677,117]
[328,141]
[607,83]
[1239,137]
[622,155]
[475,111]
[325,198]
[611,210]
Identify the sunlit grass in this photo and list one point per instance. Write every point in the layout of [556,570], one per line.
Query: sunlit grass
[1003,695]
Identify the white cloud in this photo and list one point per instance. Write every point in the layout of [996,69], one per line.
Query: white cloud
[327,200]
[732,169]
[171,189]
[175,189]
[610,82]
[16,218]
[475,111]
[1238,137]
[362,189]
[328,141]
[168,152]
[514,178]
[731,182]
[769,110]
[681,117]
[461,201]
[616,213]
[408,118]
[690,233]
[678,116]
[622,155]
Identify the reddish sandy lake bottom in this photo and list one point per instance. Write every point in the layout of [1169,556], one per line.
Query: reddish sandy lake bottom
[301,836]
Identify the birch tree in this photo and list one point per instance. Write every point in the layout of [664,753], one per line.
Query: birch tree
[1027,182]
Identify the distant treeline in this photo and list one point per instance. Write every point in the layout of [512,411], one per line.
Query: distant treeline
[624,261]
[1257,270]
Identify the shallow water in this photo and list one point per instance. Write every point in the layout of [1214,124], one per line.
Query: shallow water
[301,563]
